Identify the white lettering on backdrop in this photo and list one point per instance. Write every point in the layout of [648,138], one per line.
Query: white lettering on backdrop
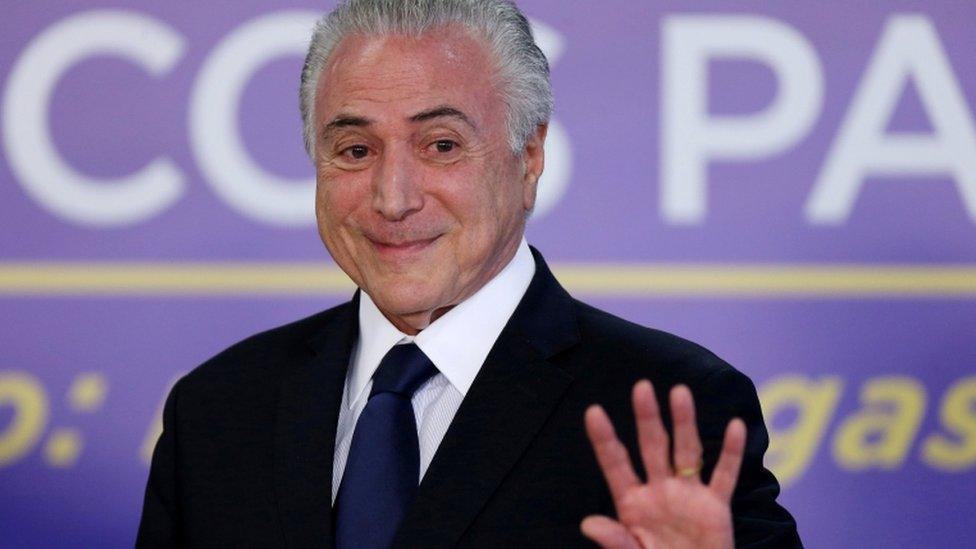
[690,137]
[908,48]
[36,164]
[214,130]
[215,136]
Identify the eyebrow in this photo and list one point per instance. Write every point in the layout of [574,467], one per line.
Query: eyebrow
[443,111]
[343,121]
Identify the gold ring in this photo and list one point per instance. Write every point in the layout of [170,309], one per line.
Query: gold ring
[688,472]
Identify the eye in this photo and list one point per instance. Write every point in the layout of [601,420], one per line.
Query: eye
[356,152]
[444,145]
[443,151]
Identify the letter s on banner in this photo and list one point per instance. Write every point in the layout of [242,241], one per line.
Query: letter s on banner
[956,449]
[38,167]
[690,137]
[559,152]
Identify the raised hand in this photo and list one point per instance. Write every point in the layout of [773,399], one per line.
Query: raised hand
[673,508]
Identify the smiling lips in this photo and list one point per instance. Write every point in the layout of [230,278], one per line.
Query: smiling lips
[401,249]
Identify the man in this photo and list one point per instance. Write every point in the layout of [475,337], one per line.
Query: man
[444,405]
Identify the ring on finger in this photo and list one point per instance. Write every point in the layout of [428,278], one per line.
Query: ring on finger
[688,472]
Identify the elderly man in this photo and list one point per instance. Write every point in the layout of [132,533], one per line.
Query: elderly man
[445,404]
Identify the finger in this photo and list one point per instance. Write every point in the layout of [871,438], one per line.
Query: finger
[726,472]
[651,436]
[607,532]
[687,444]
[610,452]
[644,537]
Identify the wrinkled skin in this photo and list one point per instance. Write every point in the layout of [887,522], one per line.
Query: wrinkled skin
[419,197]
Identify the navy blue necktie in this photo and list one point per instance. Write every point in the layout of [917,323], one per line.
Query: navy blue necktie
[383,467]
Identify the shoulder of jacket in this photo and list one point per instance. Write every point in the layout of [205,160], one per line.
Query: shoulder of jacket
[632,342]
[257,354]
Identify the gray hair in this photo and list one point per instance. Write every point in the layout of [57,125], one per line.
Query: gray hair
[521,65]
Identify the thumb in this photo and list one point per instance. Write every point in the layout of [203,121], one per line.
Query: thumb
[608,533]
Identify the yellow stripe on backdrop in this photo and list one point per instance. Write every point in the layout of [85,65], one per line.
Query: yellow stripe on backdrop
[610,280]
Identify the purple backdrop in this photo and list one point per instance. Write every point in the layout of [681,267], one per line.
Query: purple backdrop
[788,138]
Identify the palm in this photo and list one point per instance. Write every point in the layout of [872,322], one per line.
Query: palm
[674,515]
[672,509]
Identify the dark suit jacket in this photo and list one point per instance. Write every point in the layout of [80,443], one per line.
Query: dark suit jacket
[245,458]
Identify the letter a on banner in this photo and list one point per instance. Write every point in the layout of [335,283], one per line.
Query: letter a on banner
[880,434]
[909,48]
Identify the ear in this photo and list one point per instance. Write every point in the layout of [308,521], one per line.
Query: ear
[534,161]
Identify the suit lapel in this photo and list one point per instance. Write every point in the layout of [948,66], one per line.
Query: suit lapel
[308,409]
[512,396]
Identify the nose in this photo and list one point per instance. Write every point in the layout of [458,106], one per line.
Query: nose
[396,193]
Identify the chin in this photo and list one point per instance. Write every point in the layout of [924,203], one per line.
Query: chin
[407,297]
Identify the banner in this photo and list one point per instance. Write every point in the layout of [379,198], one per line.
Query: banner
[790,184]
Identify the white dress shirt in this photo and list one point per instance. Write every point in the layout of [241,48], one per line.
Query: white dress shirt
[457,343]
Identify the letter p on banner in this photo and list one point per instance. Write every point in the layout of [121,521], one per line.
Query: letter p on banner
[690,137]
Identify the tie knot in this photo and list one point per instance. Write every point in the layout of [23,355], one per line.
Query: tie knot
[402,371]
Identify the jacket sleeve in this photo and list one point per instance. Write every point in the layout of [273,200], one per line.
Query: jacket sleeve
[758,520]
[160,522]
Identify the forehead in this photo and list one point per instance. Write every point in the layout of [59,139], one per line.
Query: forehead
[398,75]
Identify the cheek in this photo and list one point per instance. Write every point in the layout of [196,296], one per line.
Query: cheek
[325,212]
[483,200]
[502,199]
[335,202]
[484,220]
[467,204]
[333,211]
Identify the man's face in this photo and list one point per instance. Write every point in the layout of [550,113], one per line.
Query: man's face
[419,197]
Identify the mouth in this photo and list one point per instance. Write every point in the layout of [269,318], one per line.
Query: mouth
[396,249]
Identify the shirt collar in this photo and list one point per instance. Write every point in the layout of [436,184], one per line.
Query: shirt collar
[458,342]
